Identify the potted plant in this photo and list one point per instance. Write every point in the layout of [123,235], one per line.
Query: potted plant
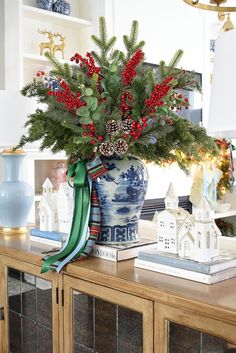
[109,109]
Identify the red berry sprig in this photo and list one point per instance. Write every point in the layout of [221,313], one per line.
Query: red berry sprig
[125,105]
[137,128]
[90,131]
[66,96]
[129,72]
[160,91]
[89,63]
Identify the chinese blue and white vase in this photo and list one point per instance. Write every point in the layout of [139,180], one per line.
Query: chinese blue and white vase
[121,193]
[62,7]
[45,4]
[16,196]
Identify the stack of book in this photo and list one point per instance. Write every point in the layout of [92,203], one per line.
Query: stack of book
[56,239]
[122,252]
[220,268]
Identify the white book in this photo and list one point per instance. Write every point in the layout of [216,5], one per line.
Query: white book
[46,241]
[122,252]
[191,275]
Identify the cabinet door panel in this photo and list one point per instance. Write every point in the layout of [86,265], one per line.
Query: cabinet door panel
[101,320]
[183,339]
[179,331]
[31,312]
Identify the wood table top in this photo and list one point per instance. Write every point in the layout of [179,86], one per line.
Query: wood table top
[217,300]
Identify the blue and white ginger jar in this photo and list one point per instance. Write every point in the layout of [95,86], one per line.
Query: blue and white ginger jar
[62,7]
[121,192]
[45,4]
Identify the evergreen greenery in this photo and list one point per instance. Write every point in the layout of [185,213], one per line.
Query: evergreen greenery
[84,102]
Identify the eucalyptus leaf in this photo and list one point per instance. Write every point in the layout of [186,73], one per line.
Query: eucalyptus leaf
[92,103]
[82,111]
[88,91]
[85,120]
[113,68]
[96,116]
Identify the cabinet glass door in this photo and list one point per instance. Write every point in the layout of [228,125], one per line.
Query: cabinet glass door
[101,320]
[181,331]
[186,340]
[30,325]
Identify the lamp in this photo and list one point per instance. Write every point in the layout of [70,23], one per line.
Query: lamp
[222,112]
[214,5]
[14,109]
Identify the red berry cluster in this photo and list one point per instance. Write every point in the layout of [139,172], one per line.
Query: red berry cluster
[64,95]
[183,102]
[88,63]
[90,131]
[129,72]
[40,73]
[160,91]
[137,128]
[125,99]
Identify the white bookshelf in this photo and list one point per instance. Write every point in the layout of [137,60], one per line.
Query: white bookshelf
[229,213]
[48,16]
[39,60]
[23,19]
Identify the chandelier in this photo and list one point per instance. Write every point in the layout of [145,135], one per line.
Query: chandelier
[214,5]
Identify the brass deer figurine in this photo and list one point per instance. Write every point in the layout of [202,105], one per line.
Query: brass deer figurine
[59,47]
[47,45]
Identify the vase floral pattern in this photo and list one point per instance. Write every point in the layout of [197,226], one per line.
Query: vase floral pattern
[44,4]
[62,7]
[121,192]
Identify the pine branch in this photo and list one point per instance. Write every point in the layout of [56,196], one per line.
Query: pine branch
[103,29]
[162,70]
[97,58]
[130,41]
[104,44]
[176,59]
[56,64]
[165,70]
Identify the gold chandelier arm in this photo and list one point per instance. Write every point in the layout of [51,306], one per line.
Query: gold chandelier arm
[199,5]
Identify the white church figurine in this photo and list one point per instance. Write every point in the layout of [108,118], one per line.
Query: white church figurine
[194,237]
[169,222]
[56,208]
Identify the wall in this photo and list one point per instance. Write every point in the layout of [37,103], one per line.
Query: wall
[166,26]
[2,43]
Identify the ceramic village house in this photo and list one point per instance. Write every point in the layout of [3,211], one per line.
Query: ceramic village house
[56,207]
[195,236]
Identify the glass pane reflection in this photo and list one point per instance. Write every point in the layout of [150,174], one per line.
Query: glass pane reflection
[186,340]
[103,327]
[30,313]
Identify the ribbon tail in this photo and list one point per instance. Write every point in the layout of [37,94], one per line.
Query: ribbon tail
[81,209]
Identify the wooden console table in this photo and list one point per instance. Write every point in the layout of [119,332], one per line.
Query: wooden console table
[107,307]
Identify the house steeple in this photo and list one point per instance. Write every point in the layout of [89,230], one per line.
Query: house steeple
[47,187]
[202,211]
[171,200]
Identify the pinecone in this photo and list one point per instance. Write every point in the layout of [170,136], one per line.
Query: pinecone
[112,126]
[120,146]
[127,125]
[107,149]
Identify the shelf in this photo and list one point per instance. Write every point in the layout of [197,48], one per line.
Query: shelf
[53,17]
[40,59]
[229,213]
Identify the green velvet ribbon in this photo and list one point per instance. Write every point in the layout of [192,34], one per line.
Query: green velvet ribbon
[81,208]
